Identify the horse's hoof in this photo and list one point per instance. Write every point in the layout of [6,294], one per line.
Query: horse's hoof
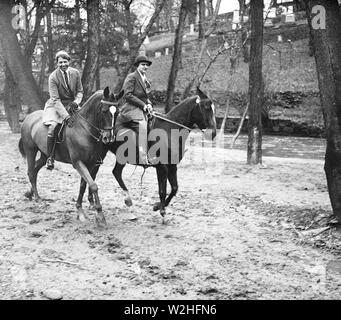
[156,206]
[37,199]
[128,202]
[82,217]
[162,212]
[101,222]
[28,195]
[92,207]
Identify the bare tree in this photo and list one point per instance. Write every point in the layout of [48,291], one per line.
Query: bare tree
[203,46]
[12,102]
[256,86]
[202,9]
[209,6]
[176,53]
[78,22]
[50,53]
[19,80]
[326,38]
[244,27]
[16,61]
[134,45]
[92,57]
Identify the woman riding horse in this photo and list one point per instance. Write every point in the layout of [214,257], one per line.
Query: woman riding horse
[81,145]
[173,129]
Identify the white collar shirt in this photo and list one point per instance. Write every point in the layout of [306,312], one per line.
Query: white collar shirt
[68,76]
[143,76]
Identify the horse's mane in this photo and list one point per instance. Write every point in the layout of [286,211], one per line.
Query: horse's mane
[98,94]
[181,105]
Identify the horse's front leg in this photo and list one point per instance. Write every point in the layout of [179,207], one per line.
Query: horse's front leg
[90,195]
[162,173]
[81,215]
[93,175]
[85,174]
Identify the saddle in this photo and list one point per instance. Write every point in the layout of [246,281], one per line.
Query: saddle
[119,124]
[60,127]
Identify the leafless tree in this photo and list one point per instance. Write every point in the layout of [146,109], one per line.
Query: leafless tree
[176,53]
[134,45]
[326,40]
[256,85]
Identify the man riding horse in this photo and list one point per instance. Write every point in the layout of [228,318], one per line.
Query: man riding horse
[66,93]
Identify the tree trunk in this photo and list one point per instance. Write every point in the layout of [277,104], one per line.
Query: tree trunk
[80,48]
[98,78]
[157,25]
[327,50]
[209,5]
[12,103]
[15,61]
[242,11]
[192,11]
[42,8]
[202,9]
[254,147]
[50,53]
[176,54]
[92,57]
[134,48]
[43,63]
[203,46]
[168,12]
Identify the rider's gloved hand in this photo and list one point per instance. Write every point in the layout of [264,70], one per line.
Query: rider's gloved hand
[72,106]
[148,108]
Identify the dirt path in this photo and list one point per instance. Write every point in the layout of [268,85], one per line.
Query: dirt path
[232,232]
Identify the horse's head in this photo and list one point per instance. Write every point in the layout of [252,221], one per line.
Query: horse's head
[106,111]
[203,115]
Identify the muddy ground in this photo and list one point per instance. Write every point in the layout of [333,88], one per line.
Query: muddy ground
[232,232]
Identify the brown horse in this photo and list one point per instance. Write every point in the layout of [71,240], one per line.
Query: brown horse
[81,145]
[172,129]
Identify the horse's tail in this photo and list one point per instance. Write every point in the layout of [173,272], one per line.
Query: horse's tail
[21,148]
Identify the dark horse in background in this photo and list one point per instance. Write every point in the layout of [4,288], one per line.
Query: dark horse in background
[81,144]
[196,110]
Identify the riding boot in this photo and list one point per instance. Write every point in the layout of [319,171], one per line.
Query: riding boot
[50,152]
[143,143]
[68,121]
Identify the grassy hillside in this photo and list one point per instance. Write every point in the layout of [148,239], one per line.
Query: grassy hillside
[295,72]
[286,67]
[291,70]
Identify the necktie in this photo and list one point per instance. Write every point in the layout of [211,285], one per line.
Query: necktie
[148,86]
[66,81]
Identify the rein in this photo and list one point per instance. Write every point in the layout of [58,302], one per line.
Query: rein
[100,131]
[158,115]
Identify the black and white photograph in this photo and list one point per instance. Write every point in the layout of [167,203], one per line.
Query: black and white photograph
[180,151]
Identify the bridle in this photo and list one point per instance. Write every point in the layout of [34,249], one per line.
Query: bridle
[198,103]
[100,131]
[203,112]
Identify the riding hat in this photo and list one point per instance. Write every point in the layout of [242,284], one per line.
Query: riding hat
[140,59]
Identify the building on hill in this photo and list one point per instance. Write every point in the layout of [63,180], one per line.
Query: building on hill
[291,6]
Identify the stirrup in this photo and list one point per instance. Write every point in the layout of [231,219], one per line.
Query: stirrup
[68,121]
[151,161]
[49,163]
